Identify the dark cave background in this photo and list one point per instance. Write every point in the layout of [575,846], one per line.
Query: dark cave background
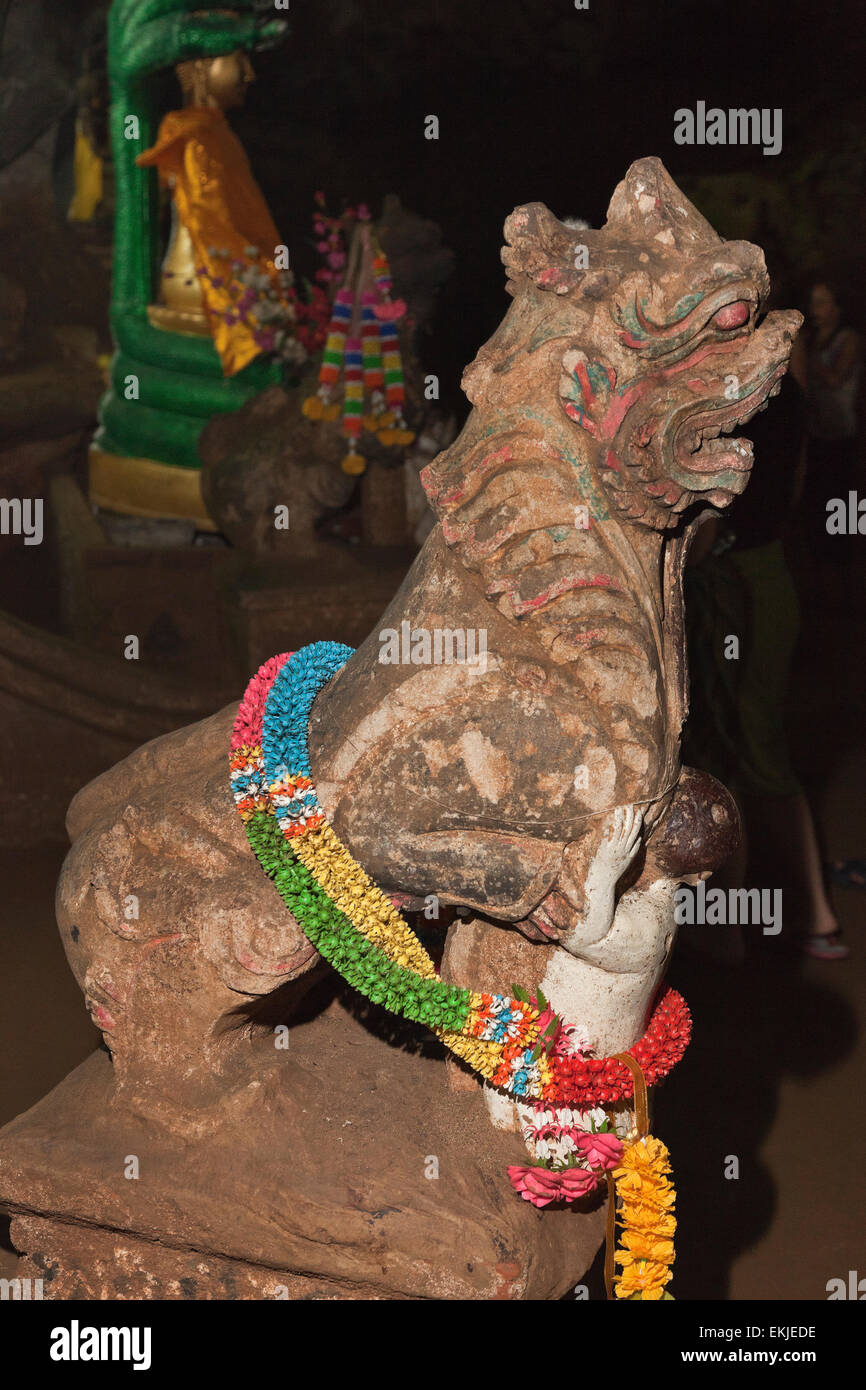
[536,102]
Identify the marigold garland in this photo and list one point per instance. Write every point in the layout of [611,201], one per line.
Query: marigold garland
[516,1044]
[648,1224]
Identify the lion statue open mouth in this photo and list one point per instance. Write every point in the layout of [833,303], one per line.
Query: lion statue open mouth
[668,352]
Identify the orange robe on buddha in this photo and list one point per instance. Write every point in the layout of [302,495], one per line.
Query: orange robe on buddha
[222,207]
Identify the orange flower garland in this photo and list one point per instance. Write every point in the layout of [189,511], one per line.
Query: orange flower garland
[641,1182]
[646,1245]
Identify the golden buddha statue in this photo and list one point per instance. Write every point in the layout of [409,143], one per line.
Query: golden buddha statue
[220,256]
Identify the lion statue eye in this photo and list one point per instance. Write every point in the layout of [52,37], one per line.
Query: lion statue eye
[731,315]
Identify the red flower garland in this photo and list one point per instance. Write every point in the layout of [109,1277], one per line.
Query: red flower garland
[587,1082]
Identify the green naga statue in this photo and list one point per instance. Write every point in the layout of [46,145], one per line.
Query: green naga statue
[213,325]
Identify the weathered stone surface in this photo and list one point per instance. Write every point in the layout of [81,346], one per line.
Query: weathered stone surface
[162,974]
[314,1177]
[268,455]
[76,712]
[565,510]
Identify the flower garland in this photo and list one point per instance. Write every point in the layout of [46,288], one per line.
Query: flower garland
[647,1196]
[641,1182]
[263,302]
[362,343]
[572,1152]
[515,1042]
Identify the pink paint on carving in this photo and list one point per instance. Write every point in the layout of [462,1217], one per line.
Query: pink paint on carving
[708,350]
[256,966]
[617,410]
[580,419]
[452,533]
[141,960]
[482,550]
[491,461]
[509,588]
[154,941]
[583,378]
[470,483]
[108,986]
[428,483]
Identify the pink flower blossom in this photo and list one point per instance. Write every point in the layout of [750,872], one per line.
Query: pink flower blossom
[599,1150]
[541,1186]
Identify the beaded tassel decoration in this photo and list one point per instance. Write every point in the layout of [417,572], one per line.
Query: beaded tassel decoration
[363,346]
[371,348]
[332,359]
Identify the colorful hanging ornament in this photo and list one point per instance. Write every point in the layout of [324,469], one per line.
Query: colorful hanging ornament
[515,1042]
[363,348]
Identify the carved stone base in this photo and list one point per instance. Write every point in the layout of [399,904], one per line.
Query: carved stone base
[341,1168]
[78,1262]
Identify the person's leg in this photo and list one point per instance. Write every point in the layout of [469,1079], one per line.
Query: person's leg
[787,830]
[780,824]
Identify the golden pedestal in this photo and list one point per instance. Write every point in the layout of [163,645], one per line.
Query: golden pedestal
[142,487]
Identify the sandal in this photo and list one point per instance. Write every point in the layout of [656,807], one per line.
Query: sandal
[829,946]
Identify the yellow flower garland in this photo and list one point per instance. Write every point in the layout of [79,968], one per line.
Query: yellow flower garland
[376,917]
[647,1197]
[648,1224]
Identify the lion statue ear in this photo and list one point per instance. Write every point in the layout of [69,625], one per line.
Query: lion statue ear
[540,247]
[647,200]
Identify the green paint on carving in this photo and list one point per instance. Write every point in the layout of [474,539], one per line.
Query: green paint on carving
[181,382]
[598,378]
[591,494]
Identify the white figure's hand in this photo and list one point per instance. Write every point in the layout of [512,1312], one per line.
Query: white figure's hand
[621,840]
[583,915]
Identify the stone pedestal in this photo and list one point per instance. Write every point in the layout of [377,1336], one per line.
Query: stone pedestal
[341,1168]
[383,505]
[333,598]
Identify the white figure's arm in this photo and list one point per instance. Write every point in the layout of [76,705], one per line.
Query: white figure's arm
[617,848]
